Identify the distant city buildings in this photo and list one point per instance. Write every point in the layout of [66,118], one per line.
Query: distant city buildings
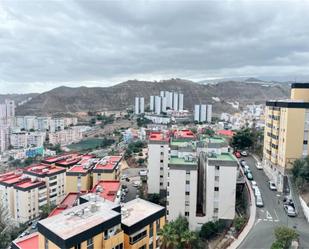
[203,113]
[23,139]
[166,101]
[65,137]
[286,133]
[7,112]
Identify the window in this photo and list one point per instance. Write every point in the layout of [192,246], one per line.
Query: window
[78,246]
[90,243]
[138,237]
[161,153]
[120,246]
[188,172]
[187,193]
[217,167]
[216,210]
[161,183]
[305,141]
[158,225]
[45,243]
[187,214]
[161,176]
[187,182]
[143,247]
[150,230]
[216,188]
[161,161]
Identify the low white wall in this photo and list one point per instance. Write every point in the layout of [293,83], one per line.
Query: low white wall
[305,208]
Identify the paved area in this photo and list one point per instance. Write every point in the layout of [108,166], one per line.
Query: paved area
[133,175]
[271,215]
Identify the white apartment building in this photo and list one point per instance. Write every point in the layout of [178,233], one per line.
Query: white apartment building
[158,105]
[166,100]
[4,138]
[65,137]
[139,106]
[203,113]
[201,181]
[158,154]
[24,139]
[7,112]
[151,103]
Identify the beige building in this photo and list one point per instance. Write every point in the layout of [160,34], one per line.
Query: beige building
[108,168]
[97,223]
[286,133]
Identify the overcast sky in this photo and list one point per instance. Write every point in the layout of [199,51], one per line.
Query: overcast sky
[100,43]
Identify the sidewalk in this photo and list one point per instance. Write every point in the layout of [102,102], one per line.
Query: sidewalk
[236,243]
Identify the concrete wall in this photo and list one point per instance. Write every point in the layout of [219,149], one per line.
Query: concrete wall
[305,208]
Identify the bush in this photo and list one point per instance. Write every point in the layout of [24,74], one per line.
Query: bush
[211,229]
[239,222]
[284,237]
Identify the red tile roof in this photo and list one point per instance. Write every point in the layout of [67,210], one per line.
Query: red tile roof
[29,242]
[107,189]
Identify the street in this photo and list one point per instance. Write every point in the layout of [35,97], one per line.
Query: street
[133,175]
[272,215]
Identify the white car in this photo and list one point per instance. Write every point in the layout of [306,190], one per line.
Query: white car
[257,191]
[290,211]
[259,201]
[258,165]
[143,172]
[272,186]
[253,184]
[244,153]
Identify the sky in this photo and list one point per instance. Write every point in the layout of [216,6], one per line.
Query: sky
[45,44]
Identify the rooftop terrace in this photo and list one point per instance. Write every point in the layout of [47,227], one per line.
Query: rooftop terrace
[182,161]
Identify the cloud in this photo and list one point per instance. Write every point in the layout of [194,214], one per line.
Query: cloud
[44,44]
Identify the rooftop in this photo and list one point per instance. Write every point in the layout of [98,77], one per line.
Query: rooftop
[63,159]
[137,210]
[10,178]
[68,202]
[222,157]
[28,242]
[179,143]
[28,183]
[185,134]
[78,219]
[43,169]
[227,133]
[107,189]
[182,161]
[158,137]
[108,163]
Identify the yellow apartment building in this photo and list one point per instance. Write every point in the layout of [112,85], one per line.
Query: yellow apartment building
[286,133]
[108,168]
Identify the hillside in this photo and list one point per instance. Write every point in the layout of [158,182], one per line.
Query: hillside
[121,96]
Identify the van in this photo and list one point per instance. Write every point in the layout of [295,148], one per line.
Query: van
[259,201]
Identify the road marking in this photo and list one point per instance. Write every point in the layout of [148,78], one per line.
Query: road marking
[278,195]
[265,220]
[268,216]
[277,218]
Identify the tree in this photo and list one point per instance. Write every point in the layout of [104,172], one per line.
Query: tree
[239,222]
[300,172]
[46,210]
[242,139]
[284,237]
[168,236]
[211,229]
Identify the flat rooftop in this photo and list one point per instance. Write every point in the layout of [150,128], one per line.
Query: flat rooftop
[182,161]
[223,159]
[107,189]
[185,134]
[69,201]
[158,137]
[10,178]
[137,210]
[78,219]
[43,169]
[108,163]
[227,133]
[28,242]
[180,143]
[28,184]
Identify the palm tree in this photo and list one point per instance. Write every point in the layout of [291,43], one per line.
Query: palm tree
[168,236]
[187,238]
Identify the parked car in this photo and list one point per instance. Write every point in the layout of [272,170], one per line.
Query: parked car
[258,165]
[253,184]
[244,153]
[257,191]
[272,186]
[242,162]
[136,183]
[34,225]
[124,177]
[143,172]
[249,176]
[259,201]
[288,201]
[290,211]
[237,154]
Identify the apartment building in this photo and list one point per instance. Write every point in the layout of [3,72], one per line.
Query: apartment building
[108,168]
[65,137]
[286,133]
[29,195]
[54,178]
[78,177]
[100,224]
[158,154]
[141,221]
[7,112]
[4,138]
[22,139]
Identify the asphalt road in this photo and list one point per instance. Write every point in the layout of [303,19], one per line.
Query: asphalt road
[272,215]
[133,175]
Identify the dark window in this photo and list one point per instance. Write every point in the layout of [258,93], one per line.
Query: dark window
[188,172]
[78,246]
[138,237]
[187,214]
[151,230]
[90,243]
[187,193]
[216,188]
[161,161]
[161,153]
[305,141]
[187,182]
[217,167]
